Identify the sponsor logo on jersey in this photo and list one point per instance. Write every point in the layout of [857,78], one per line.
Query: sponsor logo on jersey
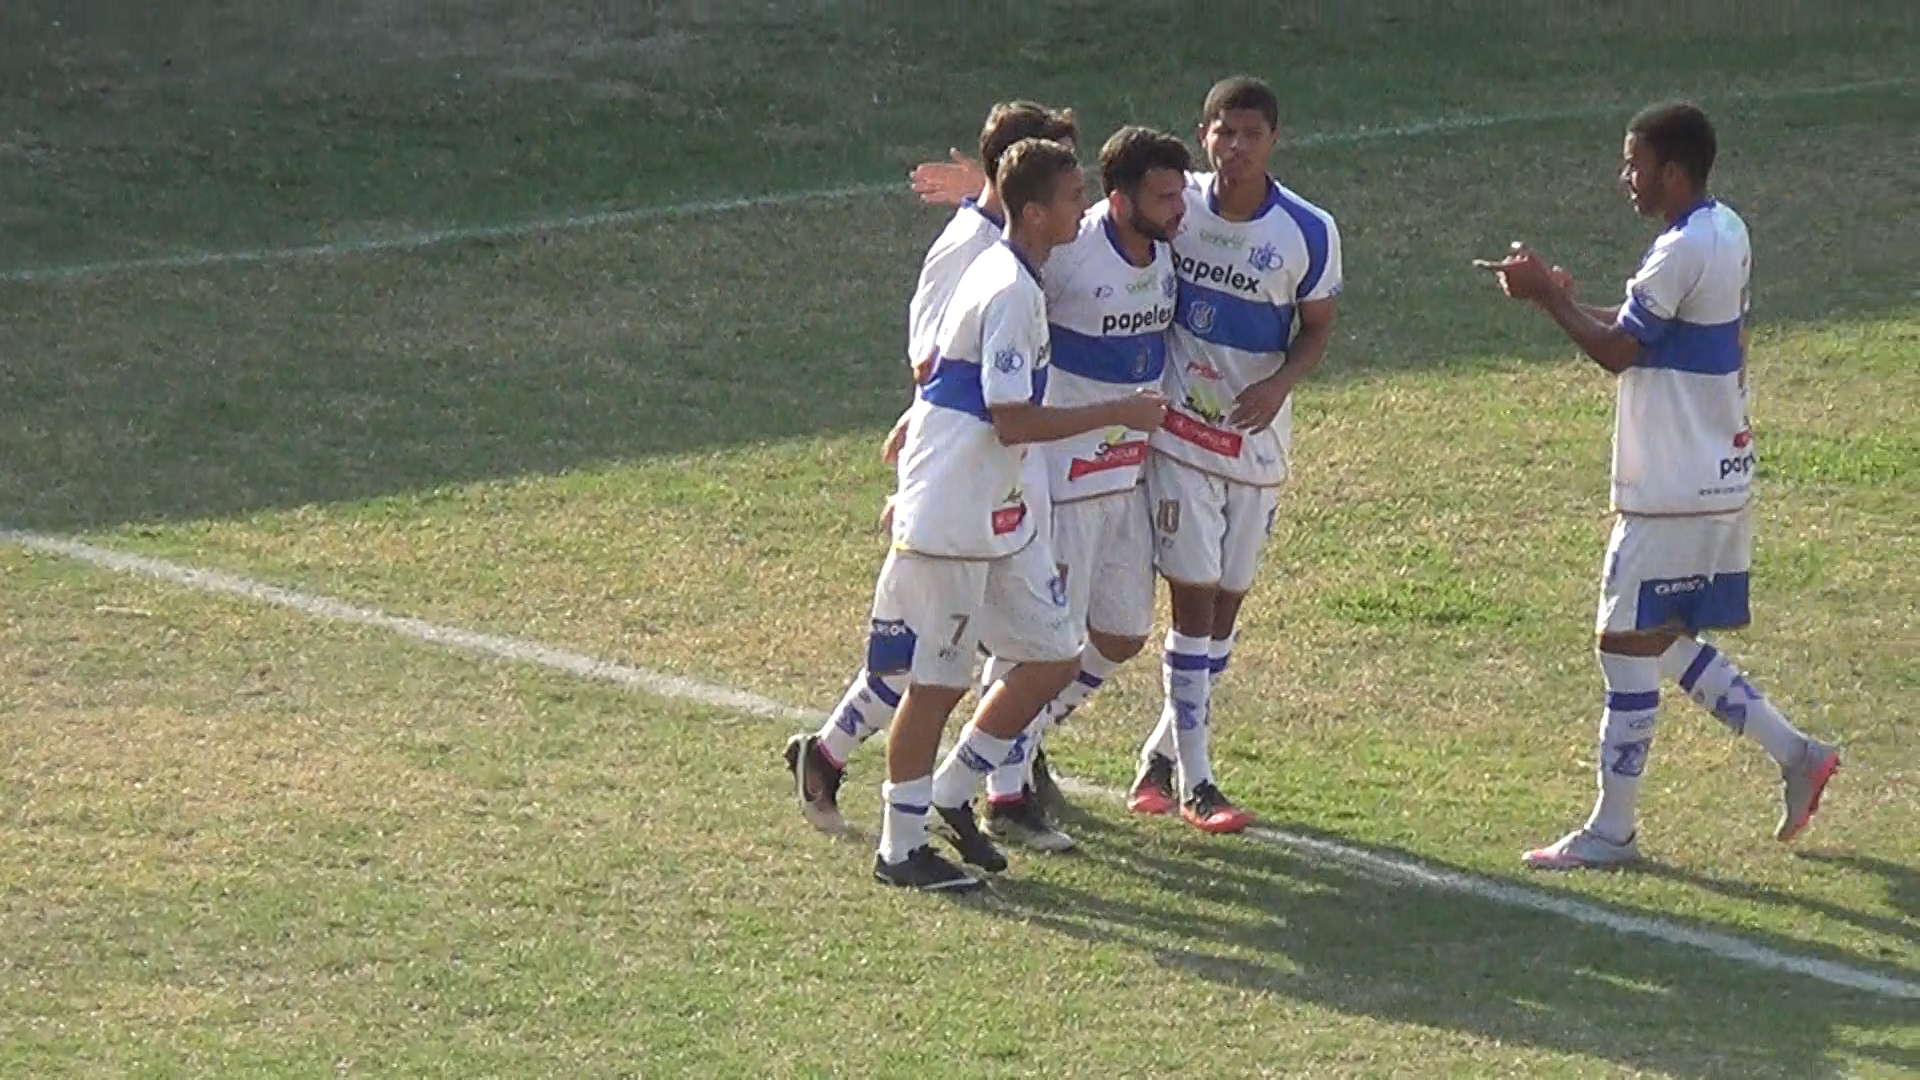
[1169,286]
[1008,360]
[1143,284]
[1199,270]
[1101,292]
[1205,369]
[1217,239]
[1136,322]
[1264,258]
[1116,451]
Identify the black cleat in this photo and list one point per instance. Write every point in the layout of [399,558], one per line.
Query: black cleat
[1045,788]
[924,869]
[956,825]
[816,783]
[1025,822]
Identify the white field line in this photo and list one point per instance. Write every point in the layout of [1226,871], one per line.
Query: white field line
[1396,869]
[600,219]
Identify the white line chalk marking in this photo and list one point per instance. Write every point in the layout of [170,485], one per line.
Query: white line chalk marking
[603,219]
[1397,869]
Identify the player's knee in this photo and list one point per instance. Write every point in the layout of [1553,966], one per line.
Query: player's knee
[1648,643]
[1116,648]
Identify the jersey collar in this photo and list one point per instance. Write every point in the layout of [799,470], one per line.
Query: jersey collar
[1681,221]
[969,203]
[1031,269]
[1272,200]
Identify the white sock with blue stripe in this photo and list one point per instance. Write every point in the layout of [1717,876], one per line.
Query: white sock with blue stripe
[1712,681]
[864,711]
[903,820]
[1219,652]
[1626,734]
[1186,672]
[1011,779]
[971,759]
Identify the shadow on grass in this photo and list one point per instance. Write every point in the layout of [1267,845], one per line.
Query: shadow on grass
[1257,918]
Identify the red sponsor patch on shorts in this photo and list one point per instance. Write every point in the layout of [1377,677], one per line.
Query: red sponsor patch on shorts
[1204,436]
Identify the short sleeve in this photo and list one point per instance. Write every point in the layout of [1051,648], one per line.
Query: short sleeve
[1322,280]
[1013,341]
[1657,289]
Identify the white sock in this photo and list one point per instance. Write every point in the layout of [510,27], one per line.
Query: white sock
[1626,734]
[971,759]
[864,711]
[1185,671]
[1007,783]
[1713,681]
[1010,781]
[903,821]
[1219,651]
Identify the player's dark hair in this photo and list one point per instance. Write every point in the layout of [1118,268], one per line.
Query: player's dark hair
[1678,132]
[1241,92]
[1010,121]
[1030,172]
[1133,152]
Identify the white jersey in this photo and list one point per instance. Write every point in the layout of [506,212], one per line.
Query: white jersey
[1108,320]
[1681,442]
[1239,284]
[969,232]
[960,494]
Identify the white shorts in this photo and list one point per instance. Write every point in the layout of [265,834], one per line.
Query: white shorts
[1208,530]
[930,614]
[1687,573]
[1105,549]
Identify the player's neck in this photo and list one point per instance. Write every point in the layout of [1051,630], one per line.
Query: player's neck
[1239,200]
[1135,246]
[990,204]
[1683,204]
[1033,251]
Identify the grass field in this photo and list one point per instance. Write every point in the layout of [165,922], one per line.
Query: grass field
[238,840]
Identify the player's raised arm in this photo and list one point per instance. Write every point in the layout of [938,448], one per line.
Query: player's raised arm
[1523,276]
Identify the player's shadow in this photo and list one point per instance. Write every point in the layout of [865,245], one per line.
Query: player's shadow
[1256,918]
[1903,888]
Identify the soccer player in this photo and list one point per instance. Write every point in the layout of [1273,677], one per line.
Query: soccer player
[1683,460]
[817,761]
[1110,298]
[967,562]
[1260,281]
[1259,284]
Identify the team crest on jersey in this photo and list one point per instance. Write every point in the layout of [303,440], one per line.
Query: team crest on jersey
[1142,361]
[1200,316]
[1264,257]
[1008,360]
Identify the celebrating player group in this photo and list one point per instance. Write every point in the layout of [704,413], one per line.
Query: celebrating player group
[1103,396]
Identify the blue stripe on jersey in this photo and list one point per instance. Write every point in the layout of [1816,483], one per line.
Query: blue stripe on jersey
[1234,321]
[1697,350]
[1121,358]
[1314,231]
[956,385]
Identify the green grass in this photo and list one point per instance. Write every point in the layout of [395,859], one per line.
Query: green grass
[234,841]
